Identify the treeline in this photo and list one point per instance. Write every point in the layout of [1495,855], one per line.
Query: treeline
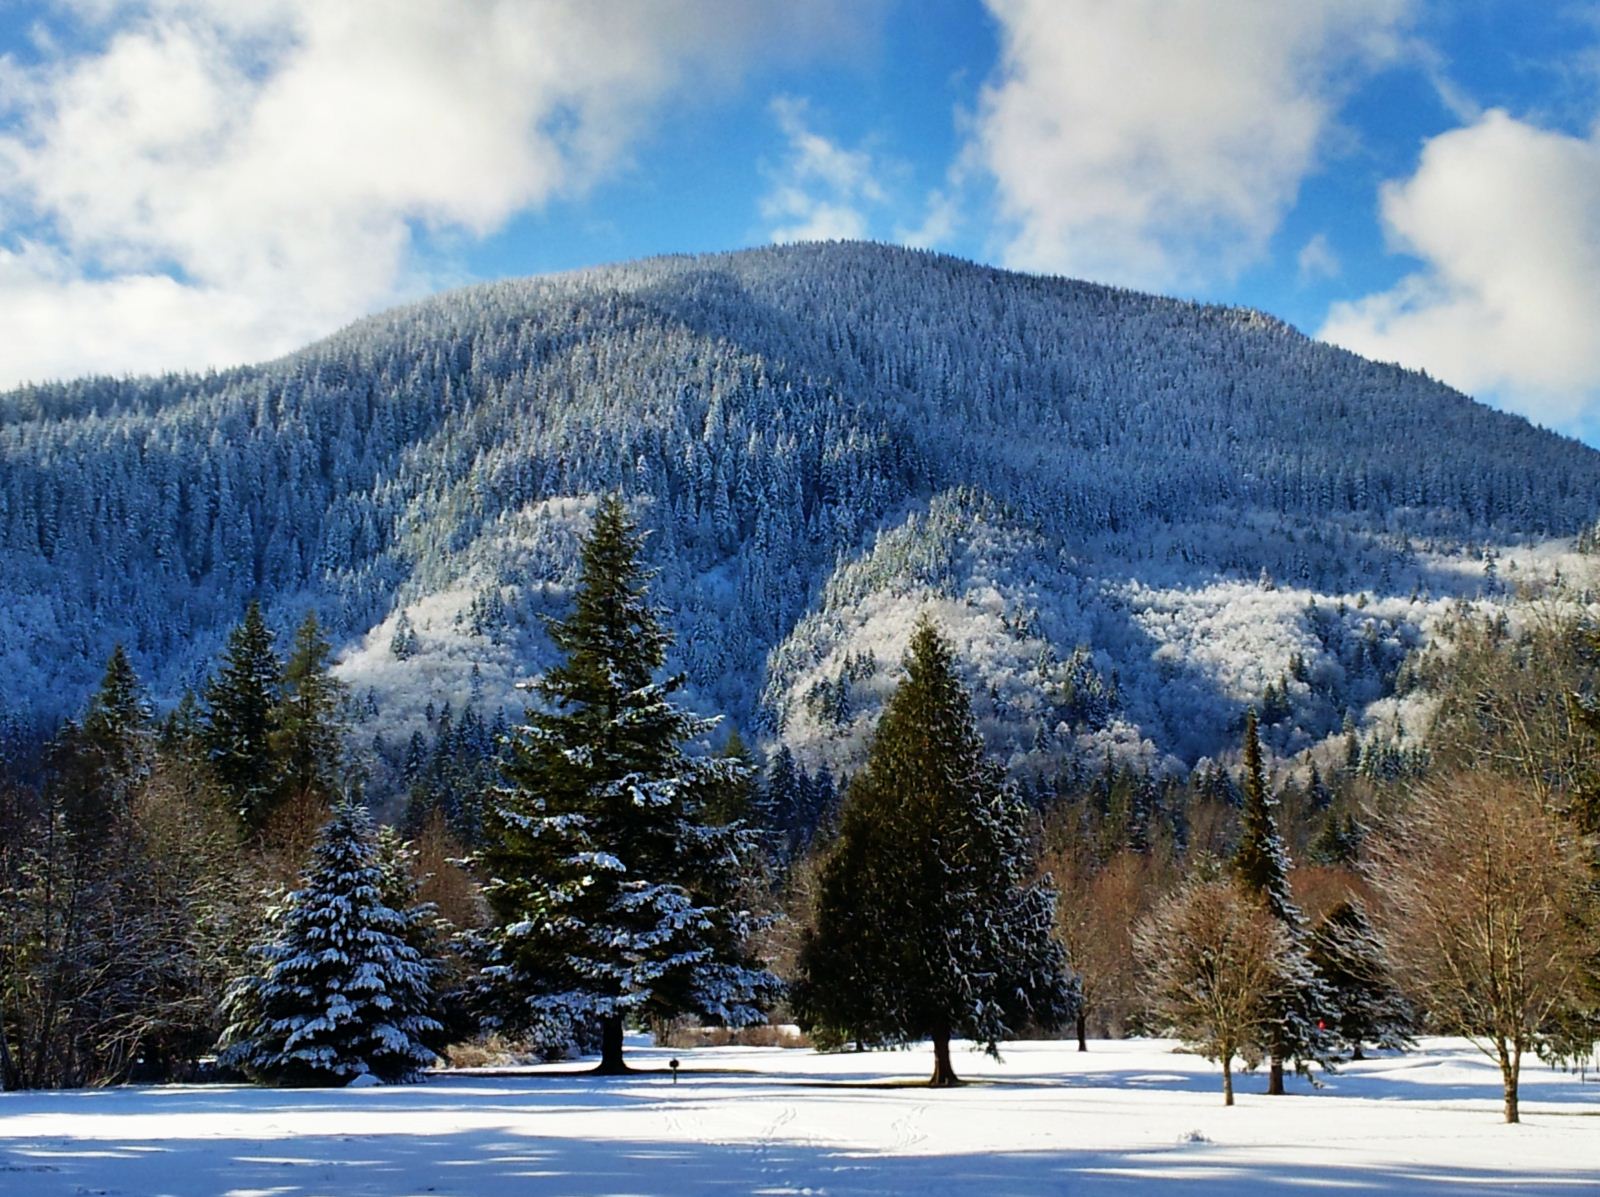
[1395,889]
[209,884]
[140,857]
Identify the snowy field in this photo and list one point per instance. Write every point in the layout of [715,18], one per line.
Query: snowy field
[768,1121]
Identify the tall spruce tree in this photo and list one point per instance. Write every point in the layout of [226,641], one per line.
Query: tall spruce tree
[927,922]
[241,718]
[613,898]
[341,993]
[101,760]
[116,723]
[1347,955]
[308,732]
[1302,1005]
[784,803]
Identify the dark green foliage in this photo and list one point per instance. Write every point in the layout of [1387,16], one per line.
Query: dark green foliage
[308,732]
[340,992]
[1347,955]
[784,801]
[241,719]
[926,921]
[1302,1005]
[96,763]
[451,775]
[1260,861]
[612,896]
[735,799]
[117,719]
[1338,841]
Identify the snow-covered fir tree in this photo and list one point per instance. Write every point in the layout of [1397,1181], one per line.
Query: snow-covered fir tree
[1302,1004]
[340,993]
[1352,963]
[928,920]
[613,899]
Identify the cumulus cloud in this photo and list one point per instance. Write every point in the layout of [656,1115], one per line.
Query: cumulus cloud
[1317,259]
[821,191]
[233,179]
[1160,142]
[1505,218]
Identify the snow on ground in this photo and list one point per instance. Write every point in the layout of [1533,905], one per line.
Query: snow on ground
[1115,1120]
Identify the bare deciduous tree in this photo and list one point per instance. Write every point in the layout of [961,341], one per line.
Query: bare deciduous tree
[1213,953]
[1488,913]
[1096,912]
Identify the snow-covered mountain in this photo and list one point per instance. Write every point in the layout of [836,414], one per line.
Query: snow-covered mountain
[1136,515]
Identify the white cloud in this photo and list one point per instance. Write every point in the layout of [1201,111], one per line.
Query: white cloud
[1317,259]
[941,217]
[1506,220]
[821,191]
[221,181]
[1160,142]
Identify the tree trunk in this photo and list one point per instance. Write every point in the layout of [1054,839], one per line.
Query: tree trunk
[1227,1080]
[611,1062]
[1275,1077]
[943,1074]
[9,1080]
[1510,1067]
[1083,1031]
[1356,1053]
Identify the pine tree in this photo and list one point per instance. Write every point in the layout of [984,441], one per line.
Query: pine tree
[1347,955]
[340,994]
[927,923]
[242,702]
[612,898]
[1302,1004]
[308,733]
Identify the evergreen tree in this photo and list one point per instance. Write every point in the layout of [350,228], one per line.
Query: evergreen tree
[1338,841]
[99,761]
[242,703]
[116,722]
[422,929]
[784,802]
[926,921]
[308,736]
[1347,955]
[735,799]
[1302,1004]
[340,994]
[181,729]
[612,898]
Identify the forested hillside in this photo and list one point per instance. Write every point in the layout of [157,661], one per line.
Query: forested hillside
[1136,515]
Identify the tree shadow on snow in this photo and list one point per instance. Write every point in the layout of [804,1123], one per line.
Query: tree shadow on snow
[518,1160]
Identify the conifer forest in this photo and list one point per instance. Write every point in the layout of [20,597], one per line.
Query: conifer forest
[832,645]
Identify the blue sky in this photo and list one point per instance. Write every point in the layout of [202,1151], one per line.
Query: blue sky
[186,183]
